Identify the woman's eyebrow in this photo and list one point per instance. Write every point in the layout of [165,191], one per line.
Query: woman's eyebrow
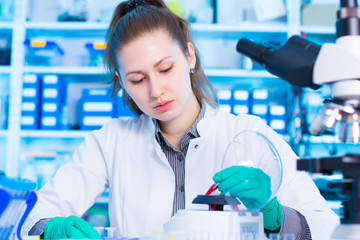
[159,62]
[133,72]
[155,65]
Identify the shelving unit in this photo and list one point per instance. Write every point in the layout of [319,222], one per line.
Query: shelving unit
[6,25]
[3,133]
[65,70]
[318,30]
[20,29]
[5,70]
[65,134]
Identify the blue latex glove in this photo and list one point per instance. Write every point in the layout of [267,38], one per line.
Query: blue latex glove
[69,228]
[253,187]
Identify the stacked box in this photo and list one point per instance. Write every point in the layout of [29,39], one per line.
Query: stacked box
[241,101]
[43,53]
[225,100]
[120,109]
[96,53]
[277,118]
[52,100]
[259,103]
[30,102]
[97,108]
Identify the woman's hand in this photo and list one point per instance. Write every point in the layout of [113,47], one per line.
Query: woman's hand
[69,228]
[253,188]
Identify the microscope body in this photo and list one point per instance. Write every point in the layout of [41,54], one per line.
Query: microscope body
[306,64]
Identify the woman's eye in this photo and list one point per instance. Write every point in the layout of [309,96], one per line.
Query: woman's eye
[137,81]
[166,70]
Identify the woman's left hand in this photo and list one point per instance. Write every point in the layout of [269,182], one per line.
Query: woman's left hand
[253,188]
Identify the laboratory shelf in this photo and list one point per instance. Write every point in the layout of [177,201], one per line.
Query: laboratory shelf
[214,28]
[318,29]
[66,29]
[5,69]
[6,25]
[68,26]
[237,73]
[321,139]
[276,27]
[73,70]
[70,134]
[210,72]
[3,133]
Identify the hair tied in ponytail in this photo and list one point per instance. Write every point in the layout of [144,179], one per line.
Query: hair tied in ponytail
[133,4]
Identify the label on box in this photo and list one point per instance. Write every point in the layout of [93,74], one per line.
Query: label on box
[277,110]
[30,78]
[95,120]
[224,94]
[277,124]
[48,121]
[225,108]
[28,106]
[97,106]
[50,93]
[29,92]
[260,94]
[98,92]
[50,79]
[241,95]
[27,120]
[49,107]
[241,109]
[259,109]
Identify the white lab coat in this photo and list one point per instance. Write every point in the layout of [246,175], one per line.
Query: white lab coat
[125,156]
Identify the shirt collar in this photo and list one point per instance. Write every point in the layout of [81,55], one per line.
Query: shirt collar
[192,130]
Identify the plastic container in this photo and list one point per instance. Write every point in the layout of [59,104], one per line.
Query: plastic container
[6,10]
[96,52]
[15,195]
[5,50]
[97,108]
[43,53]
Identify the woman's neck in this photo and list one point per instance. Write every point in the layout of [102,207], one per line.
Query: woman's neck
[174,130]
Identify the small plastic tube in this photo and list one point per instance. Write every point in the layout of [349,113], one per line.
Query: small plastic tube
[110,232]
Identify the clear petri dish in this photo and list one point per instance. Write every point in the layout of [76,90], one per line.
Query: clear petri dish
[251,149]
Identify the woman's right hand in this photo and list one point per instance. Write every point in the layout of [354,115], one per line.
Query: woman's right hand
[69,228]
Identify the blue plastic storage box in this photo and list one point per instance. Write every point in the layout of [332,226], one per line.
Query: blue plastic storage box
[97,108]
[17,198]
[6,10]
[43,53]
[96,53]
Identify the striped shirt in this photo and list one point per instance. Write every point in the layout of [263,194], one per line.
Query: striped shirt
[177,157]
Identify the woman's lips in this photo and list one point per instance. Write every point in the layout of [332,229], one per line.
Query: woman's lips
[164,106]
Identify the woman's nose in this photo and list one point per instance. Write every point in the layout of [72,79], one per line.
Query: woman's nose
[156,88]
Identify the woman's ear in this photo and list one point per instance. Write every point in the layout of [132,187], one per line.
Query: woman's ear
[191,57]
[119,80]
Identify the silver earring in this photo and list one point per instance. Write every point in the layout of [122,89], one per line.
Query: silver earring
[192,70]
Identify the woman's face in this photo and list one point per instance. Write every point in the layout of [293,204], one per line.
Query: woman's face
[155,73]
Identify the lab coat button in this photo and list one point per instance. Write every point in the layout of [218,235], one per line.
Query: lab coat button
[182,188]
[196,146]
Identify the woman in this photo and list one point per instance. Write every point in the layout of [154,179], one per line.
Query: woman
[160,161]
